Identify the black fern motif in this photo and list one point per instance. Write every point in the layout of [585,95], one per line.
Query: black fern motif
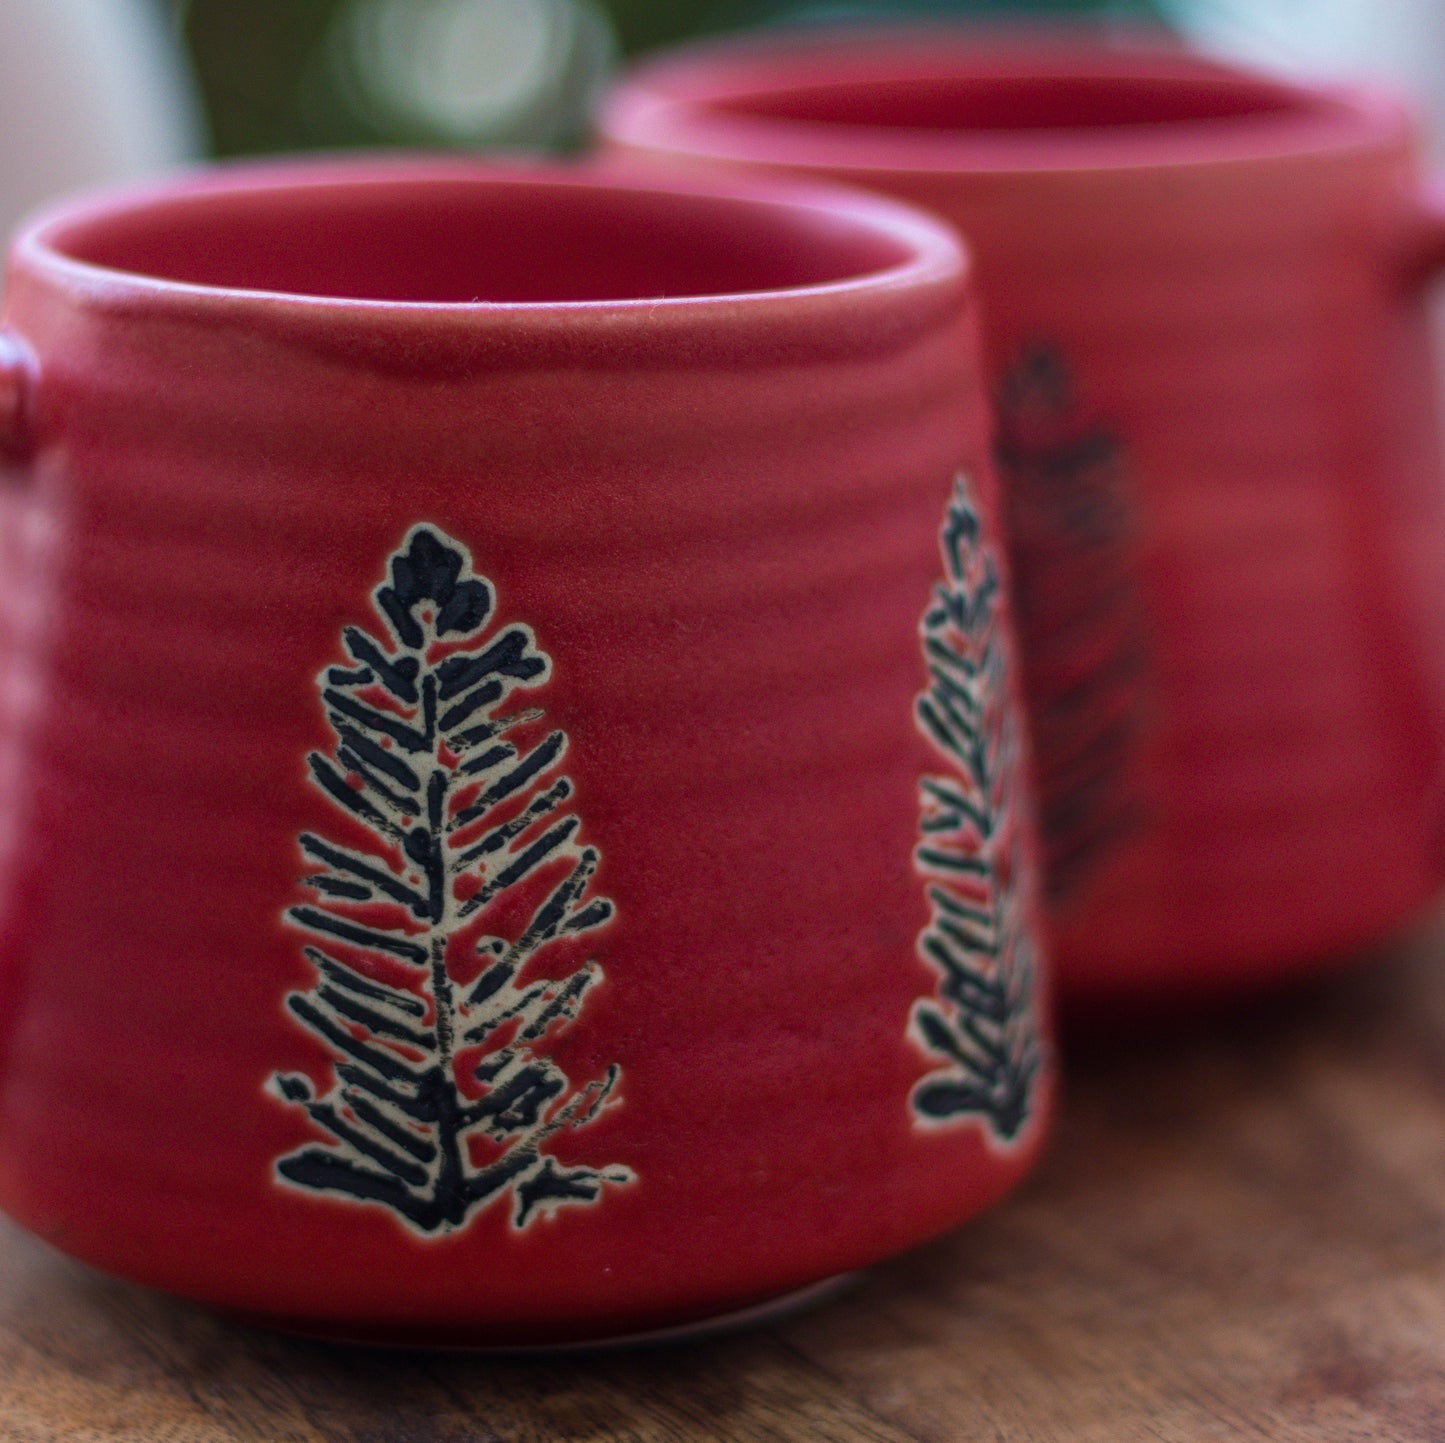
[982,1019]
[1071,523]
[427,934]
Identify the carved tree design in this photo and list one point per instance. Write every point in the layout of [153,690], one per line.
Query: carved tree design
[430,934]
[1071,523]
[982,1019]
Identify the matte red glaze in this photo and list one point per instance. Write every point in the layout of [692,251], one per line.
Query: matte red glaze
[1229,265]
[700,438]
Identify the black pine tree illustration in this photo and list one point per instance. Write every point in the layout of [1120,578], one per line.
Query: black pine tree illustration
[430,935]
[1071,521]
[981,1022]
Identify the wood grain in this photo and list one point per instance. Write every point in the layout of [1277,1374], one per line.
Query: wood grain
[1239,1235]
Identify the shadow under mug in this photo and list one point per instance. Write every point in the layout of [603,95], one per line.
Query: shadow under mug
[1215,427]
[508,821]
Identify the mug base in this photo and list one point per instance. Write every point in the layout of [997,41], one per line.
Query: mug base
[455,1339]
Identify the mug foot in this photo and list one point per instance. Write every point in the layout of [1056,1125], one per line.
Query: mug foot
[770,1310]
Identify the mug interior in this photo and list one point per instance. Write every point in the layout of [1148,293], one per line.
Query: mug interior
[459,240]
[992,104]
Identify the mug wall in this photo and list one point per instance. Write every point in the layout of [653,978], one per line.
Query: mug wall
[1261,358]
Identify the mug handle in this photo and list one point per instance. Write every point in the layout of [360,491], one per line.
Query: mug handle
[1421,254]
[17,388]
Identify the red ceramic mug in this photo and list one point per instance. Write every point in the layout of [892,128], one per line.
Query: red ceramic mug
[510,830]
[1203,315]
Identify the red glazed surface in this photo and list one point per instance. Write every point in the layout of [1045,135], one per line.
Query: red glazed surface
[700,440]
[1202,307]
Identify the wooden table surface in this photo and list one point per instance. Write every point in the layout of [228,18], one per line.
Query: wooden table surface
[1239,1235]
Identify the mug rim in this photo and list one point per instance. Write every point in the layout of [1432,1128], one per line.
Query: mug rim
[675,104]
[934,256]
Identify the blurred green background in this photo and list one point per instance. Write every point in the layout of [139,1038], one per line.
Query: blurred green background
[301,74]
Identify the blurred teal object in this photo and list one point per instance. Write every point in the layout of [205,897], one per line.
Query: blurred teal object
[308,74]
[642,24]
[302,74]
[645,23]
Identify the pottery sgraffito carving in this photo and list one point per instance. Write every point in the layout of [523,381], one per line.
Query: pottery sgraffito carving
[1072,527]
[982,1021]
[429,928]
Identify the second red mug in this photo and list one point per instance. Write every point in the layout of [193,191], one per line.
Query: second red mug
[1215,427]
